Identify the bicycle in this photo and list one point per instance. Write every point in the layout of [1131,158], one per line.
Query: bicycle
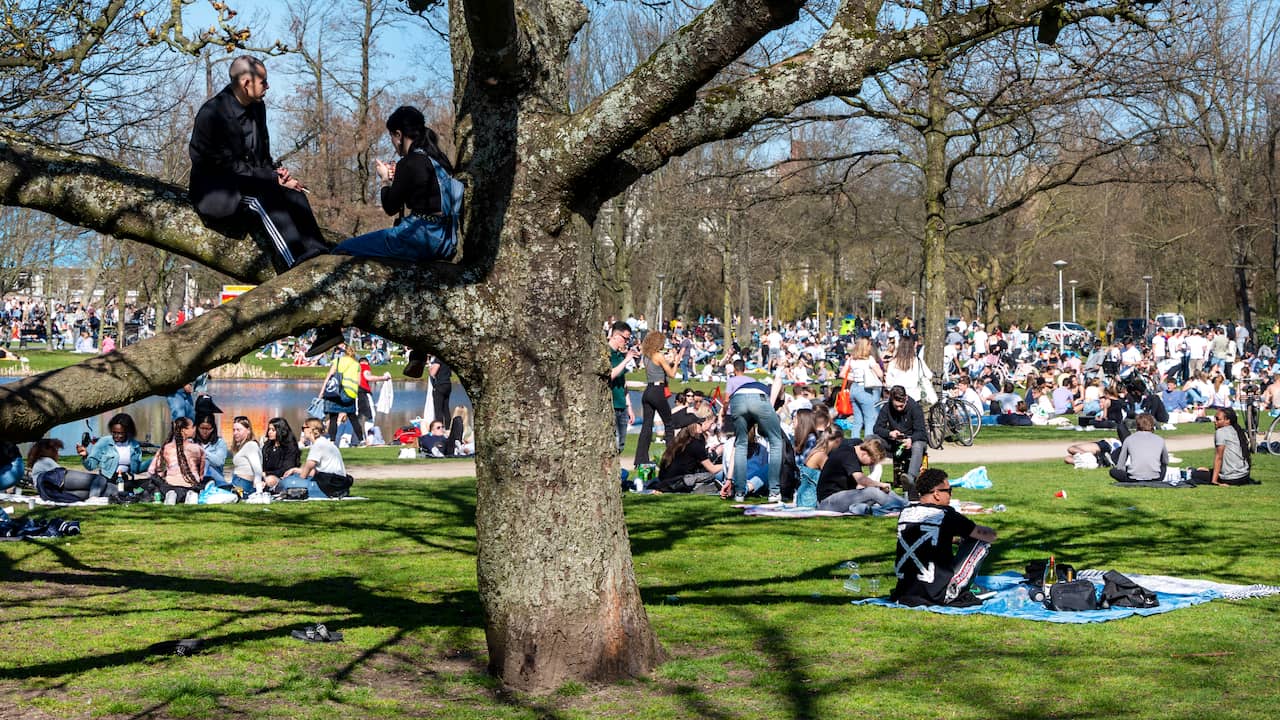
[951,419]
[1252,418]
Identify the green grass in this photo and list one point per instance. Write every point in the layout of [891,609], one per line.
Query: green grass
[751,611]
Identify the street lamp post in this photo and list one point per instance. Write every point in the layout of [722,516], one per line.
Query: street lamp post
[982,297]
[661,285]
[1147,304]
[768,304]
[913,310]
[1062,334]
[1073,284]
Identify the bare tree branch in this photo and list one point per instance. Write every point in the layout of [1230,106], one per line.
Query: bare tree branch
[666,82]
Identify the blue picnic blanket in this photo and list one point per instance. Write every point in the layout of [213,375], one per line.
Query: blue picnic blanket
[1172,597]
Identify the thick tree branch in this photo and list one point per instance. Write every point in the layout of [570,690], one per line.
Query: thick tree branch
[395,301]
[98,195]
[835,65]
[666,82]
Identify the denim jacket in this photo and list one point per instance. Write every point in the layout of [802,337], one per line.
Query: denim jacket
[104,459]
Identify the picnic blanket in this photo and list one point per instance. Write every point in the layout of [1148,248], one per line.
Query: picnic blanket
[33,501]
[788,510]
[1174,594]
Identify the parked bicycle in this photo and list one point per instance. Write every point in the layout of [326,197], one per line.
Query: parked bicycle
[951,419]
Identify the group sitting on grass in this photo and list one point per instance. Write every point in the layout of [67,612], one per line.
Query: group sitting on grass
[189,467]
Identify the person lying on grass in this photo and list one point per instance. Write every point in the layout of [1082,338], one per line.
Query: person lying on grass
[929,573]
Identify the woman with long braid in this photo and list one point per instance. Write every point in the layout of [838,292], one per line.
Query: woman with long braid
[179,465]
[1231,461]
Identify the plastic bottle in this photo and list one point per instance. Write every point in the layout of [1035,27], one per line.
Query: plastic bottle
[853,583]
[158,497]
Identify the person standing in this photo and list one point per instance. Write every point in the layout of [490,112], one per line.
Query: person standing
[364,395]
[928,572]
[237,187]
[749,404]
[657,368]
[343,403]
[441,389]
[621,357]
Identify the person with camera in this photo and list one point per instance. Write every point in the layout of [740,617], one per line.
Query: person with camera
[622,356]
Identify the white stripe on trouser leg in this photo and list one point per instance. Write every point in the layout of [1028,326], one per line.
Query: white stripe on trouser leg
[271,229]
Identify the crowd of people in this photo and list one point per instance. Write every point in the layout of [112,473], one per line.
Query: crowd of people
[191,465]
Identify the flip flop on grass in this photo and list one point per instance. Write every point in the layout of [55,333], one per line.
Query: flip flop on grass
[316,633]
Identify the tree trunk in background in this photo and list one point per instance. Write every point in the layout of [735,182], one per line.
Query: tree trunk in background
[935,224]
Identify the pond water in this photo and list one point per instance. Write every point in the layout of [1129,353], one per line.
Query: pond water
[258,400]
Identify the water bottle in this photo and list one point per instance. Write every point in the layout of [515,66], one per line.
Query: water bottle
[1021,598]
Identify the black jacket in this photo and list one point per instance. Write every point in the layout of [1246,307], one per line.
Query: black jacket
[910,422]
[415,188]
[222,163]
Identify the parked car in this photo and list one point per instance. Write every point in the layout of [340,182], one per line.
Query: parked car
[1171,321]
[1066,333]
[1135,329]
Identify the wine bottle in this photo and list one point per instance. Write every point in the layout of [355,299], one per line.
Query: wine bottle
[1050,573]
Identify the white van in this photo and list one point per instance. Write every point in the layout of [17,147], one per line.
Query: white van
[1171,321]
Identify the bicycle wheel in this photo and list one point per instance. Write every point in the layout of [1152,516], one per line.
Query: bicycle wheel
[964,422]
[1273,433]
[975,421]
[936,423]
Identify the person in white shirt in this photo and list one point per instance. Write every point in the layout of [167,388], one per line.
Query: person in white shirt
[246,464]
[1159,345]
[324,475]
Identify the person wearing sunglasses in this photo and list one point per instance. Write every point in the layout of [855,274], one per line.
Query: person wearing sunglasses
[929,571]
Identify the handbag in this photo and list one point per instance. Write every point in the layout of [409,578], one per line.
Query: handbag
[316,408]
[844,402]
[333,389]
[1072,596]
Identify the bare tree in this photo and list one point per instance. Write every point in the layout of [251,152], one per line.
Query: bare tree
[518,316]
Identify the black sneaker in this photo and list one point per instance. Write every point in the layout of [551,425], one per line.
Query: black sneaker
[327,338]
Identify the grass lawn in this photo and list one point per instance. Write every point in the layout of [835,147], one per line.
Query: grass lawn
[751,611]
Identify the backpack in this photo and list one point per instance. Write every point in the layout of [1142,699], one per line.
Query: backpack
[444,237]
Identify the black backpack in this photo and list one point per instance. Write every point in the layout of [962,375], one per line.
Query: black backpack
[1120,591]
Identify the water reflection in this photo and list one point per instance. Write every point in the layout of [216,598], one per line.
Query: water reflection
[258,400]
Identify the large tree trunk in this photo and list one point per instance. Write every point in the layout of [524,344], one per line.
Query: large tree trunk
[554,562]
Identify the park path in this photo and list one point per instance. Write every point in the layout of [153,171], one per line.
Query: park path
[1023,451]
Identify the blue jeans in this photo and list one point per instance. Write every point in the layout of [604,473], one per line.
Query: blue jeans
[750,408]
[181,405]
[621,423]
[10,474]
[864,405]
[294,481]
[862,501]
[413,239]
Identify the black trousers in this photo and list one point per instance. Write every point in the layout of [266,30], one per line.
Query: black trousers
[654,400]
[283,217]
[440,395]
